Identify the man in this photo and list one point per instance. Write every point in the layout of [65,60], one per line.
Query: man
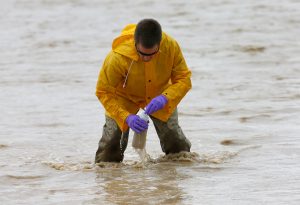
[145,68]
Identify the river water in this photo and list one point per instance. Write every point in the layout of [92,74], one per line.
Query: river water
[242,115]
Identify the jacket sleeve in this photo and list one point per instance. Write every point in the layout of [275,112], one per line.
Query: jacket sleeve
[109,78]
[180,78]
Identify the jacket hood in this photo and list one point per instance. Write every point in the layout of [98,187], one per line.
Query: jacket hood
[124,44]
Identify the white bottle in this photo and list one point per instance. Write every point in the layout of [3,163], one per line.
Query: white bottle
[139,139]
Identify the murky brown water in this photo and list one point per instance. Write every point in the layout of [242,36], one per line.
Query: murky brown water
[242,115]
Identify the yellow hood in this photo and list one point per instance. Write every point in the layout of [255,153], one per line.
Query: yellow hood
[124,44]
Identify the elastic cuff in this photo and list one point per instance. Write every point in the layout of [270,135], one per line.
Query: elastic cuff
[165,97]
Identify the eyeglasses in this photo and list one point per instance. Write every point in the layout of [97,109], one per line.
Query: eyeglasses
[146,54]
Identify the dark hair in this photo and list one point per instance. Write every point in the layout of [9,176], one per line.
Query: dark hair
[148,33]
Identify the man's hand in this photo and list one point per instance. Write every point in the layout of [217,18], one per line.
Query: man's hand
[156,104]
[136,123]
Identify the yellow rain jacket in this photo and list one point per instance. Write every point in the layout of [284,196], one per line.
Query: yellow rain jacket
[126,83]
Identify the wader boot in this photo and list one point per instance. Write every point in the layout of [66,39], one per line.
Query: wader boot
[113,143]
[172,139]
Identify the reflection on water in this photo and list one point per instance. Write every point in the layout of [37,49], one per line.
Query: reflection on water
[157,185]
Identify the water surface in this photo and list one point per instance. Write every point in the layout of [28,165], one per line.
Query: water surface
[242,115]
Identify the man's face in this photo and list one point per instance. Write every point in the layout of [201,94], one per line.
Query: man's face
[146,54]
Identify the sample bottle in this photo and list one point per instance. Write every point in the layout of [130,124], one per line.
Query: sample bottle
[139,139]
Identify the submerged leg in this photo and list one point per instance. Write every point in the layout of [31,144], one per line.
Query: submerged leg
[172,139]
[113,143]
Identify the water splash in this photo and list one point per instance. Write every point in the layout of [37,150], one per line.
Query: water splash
[210,158]
[144,156]
[145,161]
[63,166]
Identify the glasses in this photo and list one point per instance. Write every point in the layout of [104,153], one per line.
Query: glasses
[146,54]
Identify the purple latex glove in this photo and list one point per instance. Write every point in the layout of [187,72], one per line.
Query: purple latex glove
[156,103]
[136,123]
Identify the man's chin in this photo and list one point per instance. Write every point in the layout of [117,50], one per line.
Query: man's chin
[146,60]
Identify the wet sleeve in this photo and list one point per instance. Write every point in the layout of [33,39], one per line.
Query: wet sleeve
[180,78]
[109,78]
